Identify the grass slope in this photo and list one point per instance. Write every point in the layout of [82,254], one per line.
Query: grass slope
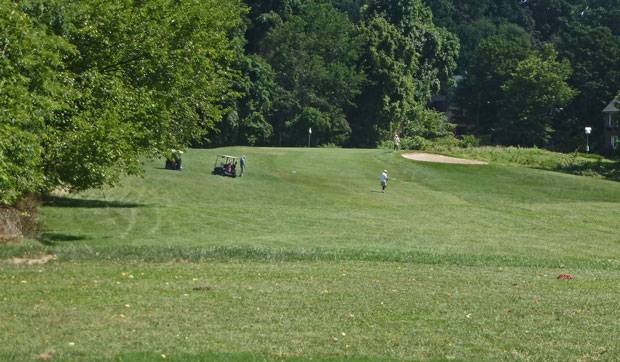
[327,199]
[303,258]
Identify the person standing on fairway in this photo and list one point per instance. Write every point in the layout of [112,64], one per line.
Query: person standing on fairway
[242,164]
[384,179]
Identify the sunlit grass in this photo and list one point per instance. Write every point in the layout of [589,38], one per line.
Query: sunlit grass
[307,309]
[296,199]
[303,258]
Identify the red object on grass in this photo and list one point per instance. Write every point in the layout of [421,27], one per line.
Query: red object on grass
[566,276]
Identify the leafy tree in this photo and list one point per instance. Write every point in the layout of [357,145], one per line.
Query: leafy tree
[313,55]
[264,15]
[388,96]
[594,53]
[549,15]
[32,83]
[536,89]
[92,87]
[405,58]
[247,122]
[352,8]
[605,13]
[474,20]
[480,94]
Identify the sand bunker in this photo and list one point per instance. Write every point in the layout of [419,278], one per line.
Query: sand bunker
[429,157]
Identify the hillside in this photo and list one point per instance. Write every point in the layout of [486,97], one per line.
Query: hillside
[304,259]
[296,200]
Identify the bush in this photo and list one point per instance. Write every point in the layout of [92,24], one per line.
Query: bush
[415,143]
[389,145]
[429,124]
[448,141]
[469,141]
[329,145]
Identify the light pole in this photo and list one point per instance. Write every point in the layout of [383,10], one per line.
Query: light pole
[588,131]
[309,134]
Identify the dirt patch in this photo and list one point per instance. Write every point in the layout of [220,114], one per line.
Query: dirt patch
[429,157]
[44,259]
[45,356]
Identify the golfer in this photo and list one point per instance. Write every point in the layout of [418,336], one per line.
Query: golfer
[242,164]
[384,179]
[396,141]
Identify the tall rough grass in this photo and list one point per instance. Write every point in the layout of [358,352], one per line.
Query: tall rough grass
[574,163]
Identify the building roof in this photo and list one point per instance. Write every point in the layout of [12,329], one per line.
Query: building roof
[611,107]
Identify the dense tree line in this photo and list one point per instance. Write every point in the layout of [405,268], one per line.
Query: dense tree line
[576,41]
[354,71]
[90,88]
[530,72]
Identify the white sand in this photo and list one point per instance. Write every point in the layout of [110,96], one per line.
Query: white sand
[429,157]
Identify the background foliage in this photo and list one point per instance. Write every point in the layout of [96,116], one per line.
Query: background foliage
[89,89]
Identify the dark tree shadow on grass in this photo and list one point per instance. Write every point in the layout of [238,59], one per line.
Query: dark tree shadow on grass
[55,238]
[86,203]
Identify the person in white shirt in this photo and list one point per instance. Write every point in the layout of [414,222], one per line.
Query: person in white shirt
[384,179]
[396,141]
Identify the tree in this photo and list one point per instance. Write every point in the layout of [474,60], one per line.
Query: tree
[480,95]
[313,54]
[110,83]
[537,88]
[247,122]
[32,83]
[594,54]
[405,58]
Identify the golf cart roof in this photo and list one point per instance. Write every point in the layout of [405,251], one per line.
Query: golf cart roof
[226,156]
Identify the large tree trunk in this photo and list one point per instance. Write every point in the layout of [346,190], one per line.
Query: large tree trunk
[10,224]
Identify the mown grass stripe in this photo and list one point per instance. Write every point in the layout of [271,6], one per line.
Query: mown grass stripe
[222,253]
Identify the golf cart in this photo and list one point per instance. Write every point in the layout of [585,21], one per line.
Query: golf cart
[225,166]
[173,160]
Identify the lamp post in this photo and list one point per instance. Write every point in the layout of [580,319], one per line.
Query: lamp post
[588,131]
[309,134]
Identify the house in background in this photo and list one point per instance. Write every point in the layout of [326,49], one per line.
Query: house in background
[611,125]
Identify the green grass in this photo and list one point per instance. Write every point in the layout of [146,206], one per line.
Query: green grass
[310,309]
[453,262]
[328,199]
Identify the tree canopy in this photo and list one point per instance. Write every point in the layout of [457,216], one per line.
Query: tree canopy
[585,34]
[89,89]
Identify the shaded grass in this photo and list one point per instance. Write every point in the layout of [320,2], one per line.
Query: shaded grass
[56,201]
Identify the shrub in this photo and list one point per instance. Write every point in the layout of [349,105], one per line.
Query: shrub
[469,141]
[387,144]
[415,143]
